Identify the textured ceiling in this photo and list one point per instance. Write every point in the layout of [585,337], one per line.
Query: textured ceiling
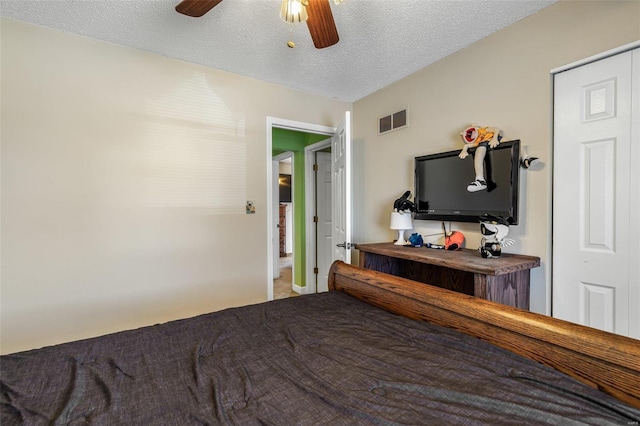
[381,41]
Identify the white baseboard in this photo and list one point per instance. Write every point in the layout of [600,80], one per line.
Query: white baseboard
[299,289]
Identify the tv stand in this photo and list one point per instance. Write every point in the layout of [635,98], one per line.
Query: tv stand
[505,279]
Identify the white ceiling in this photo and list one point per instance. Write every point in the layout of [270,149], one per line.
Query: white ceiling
[381,41]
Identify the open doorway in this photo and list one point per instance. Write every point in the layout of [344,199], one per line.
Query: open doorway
[282,136]
[283,283]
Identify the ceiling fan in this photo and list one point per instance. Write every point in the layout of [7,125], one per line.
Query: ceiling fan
[321,25]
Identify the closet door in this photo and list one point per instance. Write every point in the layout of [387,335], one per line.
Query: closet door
[596,272]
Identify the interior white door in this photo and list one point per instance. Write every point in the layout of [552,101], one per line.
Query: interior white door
[595,253]
[275,204]
[323,212]
[341,191]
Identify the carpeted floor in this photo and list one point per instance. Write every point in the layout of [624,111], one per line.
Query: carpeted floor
[282,285]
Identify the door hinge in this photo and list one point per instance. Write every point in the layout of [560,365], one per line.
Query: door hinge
[315,219]
[315,271]
[315,167]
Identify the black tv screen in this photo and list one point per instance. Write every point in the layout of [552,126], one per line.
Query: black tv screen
[441,182]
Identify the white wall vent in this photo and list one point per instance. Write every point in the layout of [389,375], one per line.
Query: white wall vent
[395,121]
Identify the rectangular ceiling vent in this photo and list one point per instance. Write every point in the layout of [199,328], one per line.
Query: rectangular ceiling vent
[395,121]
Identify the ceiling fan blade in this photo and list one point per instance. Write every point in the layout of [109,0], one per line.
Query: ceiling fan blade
[321,24]
[196,8]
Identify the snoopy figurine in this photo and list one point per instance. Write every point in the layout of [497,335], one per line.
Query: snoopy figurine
[494,230]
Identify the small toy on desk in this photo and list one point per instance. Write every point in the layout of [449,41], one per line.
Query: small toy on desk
[494,230]
[453,240]
[482,139]
[415,240]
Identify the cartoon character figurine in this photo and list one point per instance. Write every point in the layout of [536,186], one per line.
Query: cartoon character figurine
[482,139]
[404,204]
[494,230]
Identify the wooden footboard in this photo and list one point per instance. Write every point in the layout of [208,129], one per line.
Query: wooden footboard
[602,360]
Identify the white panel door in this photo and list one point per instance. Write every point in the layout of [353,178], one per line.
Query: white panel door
[595,246]
[341,172]
[324,224]
[275,214]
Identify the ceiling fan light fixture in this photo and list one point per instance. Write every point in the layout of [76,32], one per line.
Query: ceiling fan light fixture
[293,11]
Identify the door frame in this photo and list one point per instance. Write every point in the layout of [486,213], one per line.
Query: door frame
[299,126]
[275,196]
[310,208]
[550,219]
[594,58]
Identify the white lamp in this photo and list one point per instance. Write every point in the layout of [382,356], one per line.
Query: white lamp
[401,221]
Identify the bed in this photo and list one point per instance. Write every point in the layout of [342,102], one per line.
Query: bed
[375,349]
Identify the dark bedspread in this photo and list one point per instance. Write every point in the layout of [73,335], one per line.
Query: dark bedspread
[312,360]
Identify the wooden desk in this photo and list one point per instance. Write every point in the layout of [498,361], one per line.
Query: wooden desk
[504,279]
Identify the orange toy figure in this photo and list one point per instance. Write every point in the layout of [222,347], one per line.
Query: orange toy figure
[453,240]
[482,139]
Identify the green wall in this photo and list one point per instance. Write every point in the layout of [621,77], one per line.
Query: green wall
[290,140]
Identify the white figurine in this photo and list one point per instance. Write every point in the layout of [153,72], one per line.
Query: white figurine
[494,231]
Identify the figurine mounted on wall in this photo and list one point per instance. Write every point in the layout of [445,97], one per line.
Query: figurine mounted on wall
[494,231]
[483,139]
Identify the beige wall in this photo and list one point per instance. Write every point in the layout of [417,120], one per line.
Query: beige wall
[115,208]
[502,80]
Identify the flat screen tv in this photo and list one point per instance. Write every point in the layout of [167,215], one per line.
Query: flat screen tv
[441,182]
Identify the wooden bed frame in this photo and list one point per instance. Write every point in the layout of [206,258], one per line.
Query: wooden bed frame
[606,361]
